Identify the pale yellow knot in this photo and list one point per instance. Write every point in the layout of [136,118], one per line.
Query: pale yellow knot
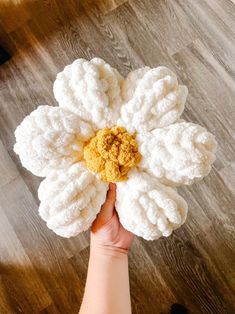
[112,152]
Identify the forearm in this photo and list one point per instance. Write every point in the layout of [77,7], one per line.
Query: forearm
[107,286]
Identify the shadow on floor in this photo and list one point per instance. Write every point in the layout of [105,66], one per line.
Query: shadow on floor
[54,288]
[21,21]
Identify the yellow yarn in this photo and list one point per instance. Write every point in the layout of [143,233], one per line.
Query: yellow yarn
[112,152]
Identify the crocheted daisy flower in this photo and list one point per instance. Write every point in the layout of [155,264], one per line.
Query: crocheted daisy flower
[110,128]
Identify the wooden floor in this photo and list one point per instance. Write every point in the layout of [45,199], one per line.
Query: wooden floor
[43,273]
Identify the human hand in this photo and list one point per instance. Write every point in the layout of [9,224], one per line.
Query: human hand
[107,230]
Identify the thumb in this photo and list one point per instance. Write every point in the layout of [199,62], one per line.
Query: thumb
[107,208]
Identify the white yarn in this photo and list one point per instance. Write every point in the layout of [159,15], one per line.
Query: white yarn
[131,82]
[50,138]
[148,208]
[157,101]
[49,143]
[70,199]
[90,89]
[177,154]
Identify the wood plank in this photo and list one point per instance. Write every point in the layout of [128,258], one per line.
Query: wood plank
[107,6]
[44,249]
[9,10]
[22,285]
[189,274]
[8,169]
[225,10]
[148,285]
[165,23]
[133,39]
[228,175]
[5,305]
[213,32]
[195,266]
[211,95]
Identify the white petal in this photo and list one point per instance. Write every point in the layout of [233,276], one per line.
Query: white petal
[50,138]
[131,82]
[148,208]
[90,89]
[157,101]
[70,199]
[178,154]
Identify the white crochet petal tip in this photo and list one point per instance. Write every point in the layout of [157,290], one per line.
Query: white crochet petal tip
[178,154]
[147,208]
[70,200]
[131,82]
[155,99]
[50,138]
[90,89]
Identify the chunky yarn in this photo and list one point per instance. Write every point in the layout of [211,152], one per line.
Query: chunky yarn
[90,89]
[110,128]
[70,199]
[155,100]
[112,153]
[177,154]
[148,208]
[50,138]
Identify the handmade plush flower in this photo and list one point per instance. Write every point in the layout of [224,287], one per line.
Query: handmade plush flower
[107,128]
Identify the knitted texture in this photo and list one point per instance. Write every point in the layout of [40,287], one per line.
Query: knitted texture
[131,82]
[177,154]
[90,89]
[112,153]
[156,100]
[70,199]
[92,95]
[148,208]
[50,138]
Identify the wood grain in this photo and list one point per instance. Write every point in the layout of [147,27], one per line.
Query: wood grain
[43,273]
[108,5]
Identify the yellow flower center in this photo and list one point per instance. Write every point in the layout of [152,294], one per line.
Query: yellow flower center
[112,152]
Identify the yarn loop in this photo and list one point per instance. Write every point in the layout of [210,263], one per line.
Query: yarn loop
[112,152]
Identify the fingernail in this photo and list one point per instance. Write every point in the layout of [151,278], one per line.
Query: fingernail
[112,186]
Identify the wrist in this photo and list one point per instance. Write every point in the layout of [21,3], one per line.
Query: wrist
[107,250]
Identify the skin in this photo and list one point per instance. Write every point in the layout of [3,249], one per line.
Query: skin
[107,286]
